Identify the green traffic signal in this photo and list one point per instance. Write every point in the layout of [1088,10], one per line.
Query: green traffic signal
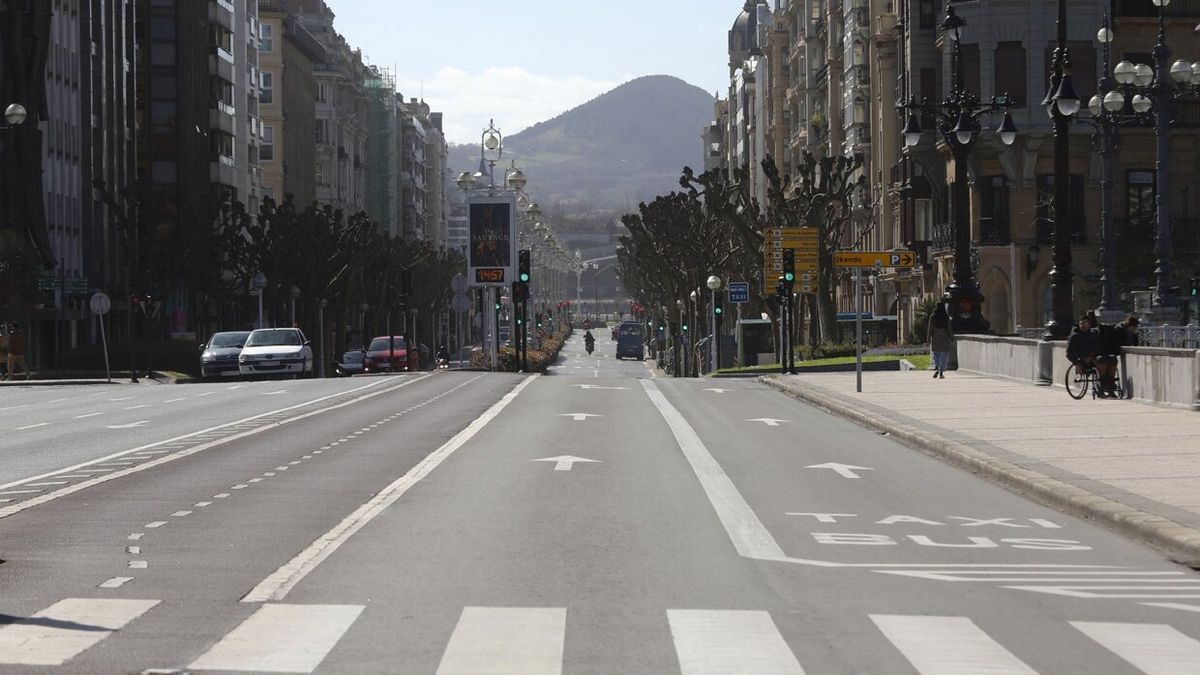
[524,277]
[685,327]
[717,310]
[789,277]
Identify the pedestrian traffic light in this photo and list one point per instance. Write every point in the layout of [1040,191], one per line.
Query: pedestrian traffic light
[523,266]
[1194,287]
[789,266]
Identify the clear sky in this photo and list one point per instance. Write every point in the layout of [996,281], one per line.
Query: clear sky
[524,61]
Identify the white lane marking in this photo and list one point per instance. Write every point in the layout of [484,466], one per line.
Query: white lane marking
[127,398]
[769,421]
[236,386]
[1153,648]
[131,425]
[135,536]
[157,523]
[33,426]
[116,582]
[268,474]
[79,417]
[282,468]
[54,635]
[207,393]
[948,645]
[274,393]
[500,640]
[719,391]
[72,476]
[277,585]
[138,564]
[718,642]
[18,492]
[133,550]
[181,514]
[93,471]
[281,639]
[294,463]
[13,407]
[201,505]
[239,486]
[222,495]
[579,417]
[1174,605]
[57,400]
[49,483]
[173,400]
[135,407]
[745,530]
[255,480]
[565,462]
[30,503]
[843,470]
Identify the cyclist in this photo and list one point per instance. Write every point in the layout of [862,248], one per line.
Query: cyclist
[1083,346]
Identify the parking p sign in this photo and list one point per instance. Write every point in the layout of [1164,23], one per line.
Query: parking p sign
[739,292]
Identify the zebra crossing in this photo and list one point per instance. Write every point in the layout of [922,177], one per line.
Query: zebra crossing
[297,638]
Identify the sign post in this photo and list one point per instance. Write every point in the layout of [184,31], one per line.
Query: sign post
[491,258]
[858,260]
[100,304]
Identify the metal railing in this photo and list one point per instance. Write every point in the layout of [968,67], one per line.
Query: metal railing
[942,236]
[1175,337]
[994,232]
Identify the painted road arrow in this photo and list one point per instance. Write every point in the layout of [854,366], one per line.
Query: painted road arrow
[596,386]
[843,470]
[564,462]
[769,421]
[579,417]
[131,425]
[719,391]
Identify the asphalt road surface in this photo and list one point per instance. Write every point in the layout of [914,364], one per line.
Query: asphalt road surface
[596,520]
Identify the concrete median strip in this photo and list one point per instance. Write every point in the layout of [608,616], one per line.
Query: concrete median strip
[1179,541]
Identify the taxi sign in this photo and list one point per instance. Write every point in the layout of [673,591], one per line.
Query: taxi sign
[874,259]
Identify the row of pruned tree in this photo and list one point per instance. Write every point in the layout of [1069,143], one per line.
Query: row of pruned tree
[714,226]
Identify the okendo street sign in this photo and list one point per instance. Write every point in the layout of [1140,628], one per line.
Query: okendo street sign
[874,259]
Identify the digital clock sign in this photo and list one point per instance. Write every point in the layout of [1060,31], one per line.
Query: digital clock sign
[489,275]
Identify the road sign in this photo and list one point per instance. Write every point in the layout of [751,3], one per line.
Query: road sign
[874,259]
[100,304]
[459,283]
[739,292]
[802,240]
[460,302]
[259,282]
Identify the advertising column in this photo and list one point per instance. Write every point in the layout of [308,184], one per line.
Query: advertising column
[491,258]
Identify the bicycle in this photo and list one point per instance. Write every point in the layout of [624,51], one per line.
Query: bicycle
[1080,383]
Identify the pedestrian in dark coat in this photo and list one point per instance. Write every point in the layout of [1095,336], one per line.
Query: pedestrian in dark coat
[941,340]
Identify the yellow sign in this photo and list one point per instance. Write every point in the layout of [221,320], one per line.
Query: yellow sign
[802,241]
[874,259]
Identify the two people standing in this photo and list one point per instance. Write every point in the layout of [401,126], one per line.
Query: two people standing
[941,340]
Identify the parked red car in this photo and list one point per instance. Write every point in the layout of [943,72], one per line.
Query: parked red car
[383,349]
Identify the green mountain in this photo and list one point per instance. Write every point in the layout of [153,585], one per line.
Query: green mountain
[624,146]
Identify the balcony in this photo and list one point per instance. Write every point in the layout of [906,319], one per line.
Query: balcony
[943,238]
[220,117]
[221,12]
[220,63]
[821,75]
[993,232]
[223,171]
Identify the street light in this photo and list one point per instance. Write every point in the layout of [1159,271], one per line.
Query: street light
[958,126]
[15,114]
[1061,102]
[714,285]
[1154,91]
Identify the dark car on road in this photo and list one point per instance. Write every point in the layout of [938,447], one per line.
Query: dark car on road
[219,356]
[351,363]
[629,341]
[383,350]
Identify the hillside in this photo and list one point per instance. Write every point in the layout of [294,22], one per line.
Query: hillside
[624,146]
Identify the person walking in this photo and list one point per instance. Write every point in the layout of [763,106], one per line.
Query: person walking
[941,340]
[16,352]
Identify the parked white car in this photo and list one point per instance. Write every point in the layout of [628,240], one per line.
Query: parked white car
[276,351]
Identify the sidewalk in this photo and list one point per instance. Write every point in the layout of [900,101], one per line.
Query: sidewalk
[1132,466]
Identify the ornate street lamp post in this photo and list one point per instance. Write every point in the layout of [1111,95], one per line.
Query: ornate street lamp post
[958,128]
[1061,103]
[714,284]
[1154,91]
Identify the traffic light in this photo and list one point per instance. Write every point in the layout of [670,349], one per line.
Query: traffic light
[781,292]
[523,266]
[1194,287]
[684,327]
[717,311]
[789,266]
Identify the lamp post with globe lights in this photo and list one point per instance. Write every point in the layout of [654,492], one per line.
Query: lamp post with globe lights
[1153,91]
[957,125]
[714,284]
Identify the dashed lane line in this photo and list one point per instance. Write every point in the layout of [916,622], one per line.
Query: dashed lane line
[33,426]
[111,459]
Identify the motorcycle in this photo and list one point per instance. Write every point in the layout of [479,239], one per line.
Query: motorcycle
[589,345]
[443,363]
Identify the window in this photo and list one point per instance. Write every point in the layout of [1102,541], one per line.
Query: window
[1046,208]
[266,92]
[927,10]
[266,148]
[1140,191]
[993,210]
[859,54]
[323,92]
[323,134]
[1010,72]
[970,68]
[266,38]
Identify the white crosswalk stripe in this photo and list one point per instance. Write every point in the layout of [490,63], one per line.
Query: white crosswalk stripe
[733,641]
[281,639]
[506,640]
[948,645]
[63,630]
[1155,649]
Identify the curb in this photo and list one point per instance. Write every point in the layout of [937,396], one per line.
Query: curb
[1179,542]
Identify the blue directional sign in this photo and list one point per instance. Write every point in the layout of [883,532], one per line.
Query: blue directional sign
[739,292]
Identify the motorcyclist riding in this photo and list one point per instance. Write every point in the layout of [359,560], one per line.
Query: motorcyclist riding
[589,342]
[443,355]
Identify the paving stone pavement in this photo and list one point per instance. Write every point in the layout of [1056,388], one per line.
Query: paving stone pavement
[1133,465]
